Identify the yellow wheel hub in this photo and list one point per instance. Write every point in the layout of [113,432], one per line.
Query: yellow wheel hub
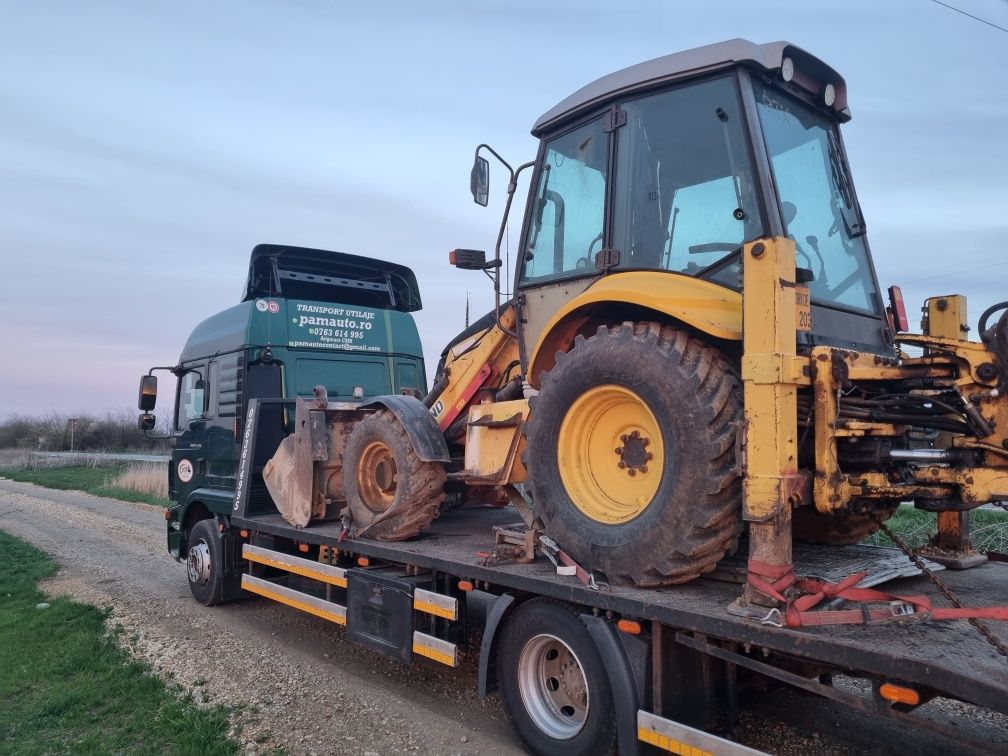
[377,477]
[611,454]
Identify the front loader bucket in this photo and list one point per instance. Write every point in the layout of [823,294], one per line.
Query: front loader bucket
[288,476]
[305,473]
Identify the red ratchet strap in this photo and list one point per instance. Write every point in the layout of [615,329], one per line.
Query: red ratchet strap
[800,612]
[778,578]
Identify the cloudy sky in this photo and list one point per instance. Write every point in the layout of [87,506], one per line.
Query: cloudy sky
[145,148]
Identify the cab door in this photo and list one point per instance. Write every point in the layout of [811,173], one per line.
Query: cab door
[566,227]
[188,457]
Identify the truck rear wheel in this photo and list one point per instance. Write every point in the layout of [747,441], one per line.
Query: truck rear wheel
[391,493]
[631,454]
[553,682]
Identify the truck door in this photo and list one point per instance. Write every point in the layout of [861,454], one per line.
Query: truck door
[188,458]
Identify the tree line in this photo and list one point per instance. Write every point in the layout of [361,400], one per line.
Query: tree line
[113,431]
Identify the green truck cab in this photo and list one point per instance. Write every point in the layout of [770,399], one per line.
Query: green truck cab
[308,317]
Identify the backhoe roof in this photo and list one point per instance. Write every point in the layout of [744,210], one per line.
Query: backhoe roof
[766,57]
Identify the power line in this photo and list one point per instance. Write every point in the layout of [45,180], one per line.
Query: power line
[958,272]
[969,15]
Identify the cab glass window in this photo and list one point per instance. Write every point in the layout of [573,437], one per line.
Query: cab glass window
[569,208]
[685,193]
[190,399]
[817,201]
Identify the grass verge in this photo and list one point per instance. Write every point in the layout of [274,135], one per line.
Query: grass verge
[98,480]
[988,529]
[65,687]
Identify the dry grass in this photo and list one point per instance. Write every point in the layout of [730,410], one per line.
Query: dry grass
[144,477]
[145,482]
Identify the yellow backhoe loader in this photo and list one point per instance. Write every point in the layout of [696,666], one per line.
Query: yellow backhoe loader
[697,347]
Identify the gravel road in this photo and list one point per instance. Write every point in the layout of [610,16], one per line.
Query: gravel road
[297,684]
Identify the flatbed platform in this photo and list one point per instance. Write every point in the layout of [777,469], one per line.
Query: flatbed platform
[949,656]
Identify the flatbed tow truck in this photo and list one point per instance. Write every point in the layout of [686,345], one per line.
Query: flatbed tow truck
[696,367]
[675,660]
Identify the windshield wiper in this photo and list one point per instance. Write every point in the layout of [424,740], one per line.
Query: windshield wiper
[851,213]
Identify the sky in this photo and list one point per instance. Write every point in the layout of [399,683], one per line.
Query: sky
[145,148]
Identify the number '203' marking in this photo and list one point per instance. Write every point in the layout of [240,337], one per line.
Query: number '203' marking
[803,309]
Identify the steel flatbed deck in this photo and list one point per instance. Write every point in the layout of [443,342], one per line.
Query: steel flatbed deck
[949,657]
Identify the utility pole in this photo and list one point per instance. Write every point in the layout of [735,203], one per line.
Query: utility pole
[71,424]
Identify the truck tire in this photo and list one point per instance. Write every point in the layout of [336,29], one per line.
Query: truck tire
[205,563]
[631,454]
[809,525]
[391,493]
[553,682]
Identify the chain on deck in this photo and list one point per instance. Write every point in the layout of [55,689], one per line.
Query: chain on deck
[945,590]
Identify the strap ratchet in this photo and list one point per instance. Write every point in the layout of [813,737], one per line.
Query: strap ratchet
[557,555]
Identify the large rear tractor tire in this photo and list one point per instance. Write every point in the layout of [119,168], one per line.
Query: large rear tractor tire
[391,493]
[631,454]
[808,525]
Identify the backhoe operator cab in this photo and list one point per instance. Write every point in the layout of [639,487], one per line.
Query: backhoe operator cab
[627,318]
[671,166]
[307,318]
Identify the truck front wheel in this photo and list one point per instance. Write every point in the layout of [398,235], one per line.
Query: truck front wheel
[553,682]
[205,564]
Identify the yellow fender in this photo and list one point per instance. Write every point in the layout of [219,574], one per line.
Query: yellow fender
[706,306]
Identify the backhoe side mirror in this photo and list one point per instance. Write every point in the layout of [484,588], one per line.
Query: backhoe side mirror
[479,181]
[468,259]
[148,393]
[146,422]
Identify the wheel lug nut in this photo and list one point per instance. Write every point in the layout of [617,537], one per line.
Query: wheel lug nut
[650,456]
[643,468]
[624,438]
[645,441]
[619,449]
[632,472]
[622,464]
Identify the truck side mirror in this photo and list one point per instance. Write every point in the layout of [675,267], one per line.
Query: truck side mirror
[146,422]
[479,181]
[148,393]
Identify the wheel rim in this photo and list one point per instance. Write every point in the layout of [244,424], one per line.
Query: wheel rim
[611,454]
[198,563]
[553,687]
[377,476]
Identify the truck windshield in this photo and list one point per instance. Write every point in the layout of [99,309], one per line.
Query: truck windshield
[817,201]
